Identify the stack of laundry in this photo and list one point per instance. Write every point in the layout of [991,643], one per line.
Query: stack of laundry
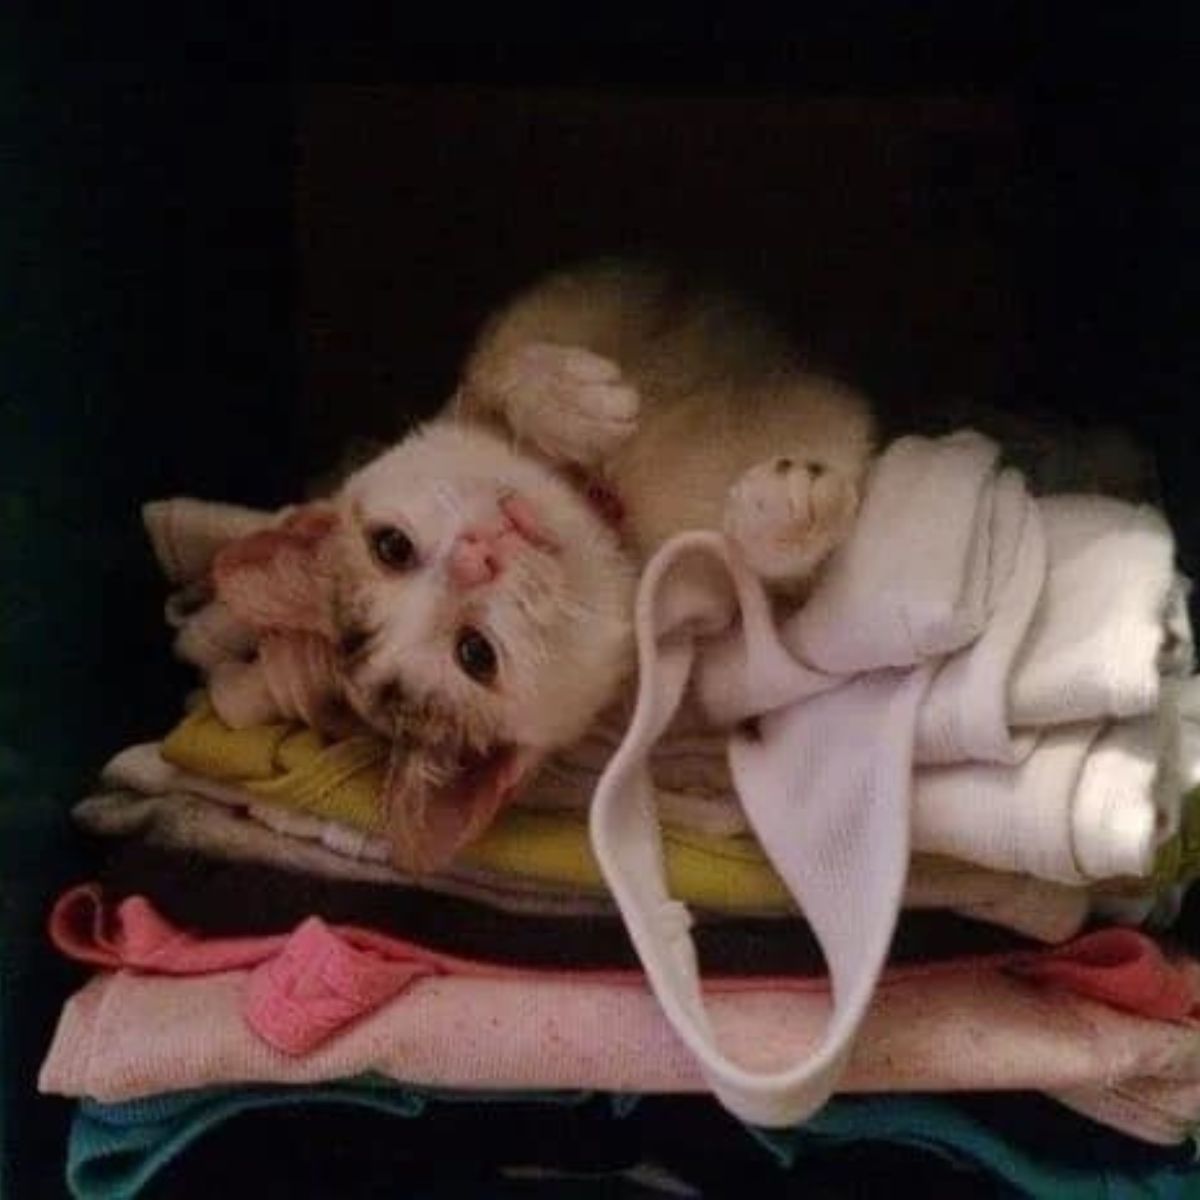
[919,867]
[976,671]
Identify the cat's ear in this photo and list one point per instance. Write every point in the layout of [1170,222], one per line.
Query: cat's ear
[282,578]
[438,801]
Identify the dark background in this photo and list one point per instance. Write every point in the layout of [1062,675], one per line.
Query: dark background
[884,230]
[228,240]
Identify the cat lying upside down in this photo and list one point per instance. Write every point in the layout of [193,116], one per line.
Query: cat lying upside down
[477,600]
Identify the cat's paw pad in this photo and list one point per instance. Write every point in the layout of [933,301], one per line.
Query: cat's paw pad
[787,514]
[574,405]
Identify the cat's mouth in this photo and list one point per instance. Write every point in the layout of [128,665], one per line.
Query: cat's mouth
[523,520]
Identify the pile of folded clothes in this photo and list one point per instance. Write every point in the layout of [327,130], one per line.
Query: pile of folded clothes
[505,1023]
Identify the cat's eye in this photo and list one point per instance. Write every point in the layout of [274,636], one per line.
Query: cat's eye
[475,654]
[392,548]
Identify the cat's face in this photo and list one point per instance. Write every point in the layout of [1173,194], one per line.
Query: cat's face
[482,610]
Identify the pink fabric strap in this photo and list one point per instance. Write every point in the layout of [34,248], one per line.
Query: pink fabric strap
[127,1034]
[1123,968]
[319,984]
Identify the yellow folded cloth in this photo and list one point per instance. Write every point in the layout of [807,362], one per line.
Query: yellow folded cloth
[294,767]
[341,781]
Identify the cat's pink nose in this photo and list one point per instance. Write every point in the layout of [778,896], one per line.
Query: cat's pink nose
[475,559]
[481,552]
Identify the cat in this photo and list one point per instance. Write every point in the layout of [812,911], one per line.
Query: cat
[479,576]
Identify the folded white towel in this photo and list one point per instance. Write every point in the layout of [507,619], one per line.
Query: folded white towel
[1093,649]
[1128,799]
[1082,805]
[1087,622]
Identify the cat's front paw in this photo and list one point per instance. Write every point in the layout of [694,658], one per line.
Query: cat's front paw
[575,406]
[787,514]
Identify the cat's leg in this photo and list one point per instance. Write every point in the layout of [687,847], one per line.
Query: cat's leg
[788,513]
[570,403]
[548,366]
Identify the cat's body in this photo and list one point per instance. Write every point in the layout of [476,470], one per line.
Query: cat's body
[715,390]
[484,608]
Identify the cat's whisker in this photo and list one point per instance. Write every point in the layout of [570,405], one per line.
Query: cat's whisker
[446,499]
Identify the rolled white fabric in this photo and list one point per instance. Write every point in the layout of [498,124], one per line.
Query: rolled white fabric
[1080,807]
[1094,645]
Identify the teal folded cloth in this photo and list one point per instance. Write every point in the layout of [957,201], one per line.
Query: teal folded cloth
[115,1150]
[940,1128]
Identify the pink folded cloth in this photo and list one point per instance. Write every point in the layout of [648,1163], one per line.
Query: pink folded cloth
[305,987]
[127,1035]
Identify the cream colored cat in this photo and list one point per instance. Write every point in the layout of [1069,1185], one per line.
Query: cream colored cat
[484,603]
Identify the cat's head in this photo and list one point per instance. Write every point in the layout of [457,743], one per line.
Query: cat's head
[482,615]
